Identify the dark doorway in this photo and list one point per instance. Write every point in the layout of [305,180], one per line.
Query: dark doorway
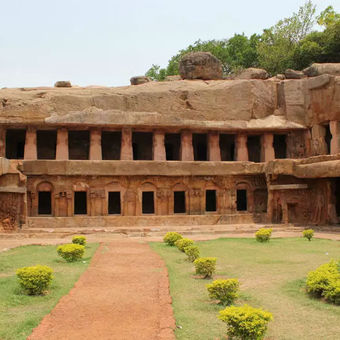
[172,143]
[111,141]
[199,142]
[210,200]
[80,202]
[44,203]
[79,144]
[254,148]
[46,144]
[227,147]
[15,144]
[241,200]
[179,202]
[114,202]
[280,146]
[337,196]
[328,137]
[142,145]
[148,206]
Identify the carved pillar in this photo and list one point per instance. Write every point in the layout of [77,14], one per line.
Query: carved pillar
[2,142]
[30,152]
[158,147]
[62,144]
[96,144]
[214,153]
[335,141]
[126,148]
[319,145]
[163,201]
[196,201]
[187,150]
[129,202]
[241,148]
[268,153]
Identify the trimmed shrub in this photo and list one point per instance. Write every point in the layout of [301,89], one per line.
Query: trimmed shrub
[205,266]
[226,291]
[182,243]
[192,252]
[171,237]
[263,234]
[71,252]
[78,239]
[332,293]
[245,322]
[36,279]
[308,234]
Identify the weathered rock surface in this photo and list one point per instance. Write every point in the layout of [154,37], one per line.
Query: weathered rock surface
[200,65]
[253,73]
[63,83]
[317,69]
[173,78]
[138,80]
[293,74]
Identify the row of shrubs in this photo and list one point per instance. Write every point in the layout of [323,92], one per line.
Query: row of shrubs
[35,280]
[244,322]
[264,234]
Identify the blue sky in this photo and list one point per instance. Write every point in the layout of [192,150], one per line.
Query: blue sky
[106,42]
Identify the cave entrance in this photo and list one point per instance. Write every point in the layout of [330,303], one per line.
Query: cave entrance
[148,204]
[46,144]
[172,143]
[80,202]
[79,144]
[227,147]
[199,142]
[111,144]
[44,203]
[15,143]
[337,196]
[241,200]
[328,137]
[142,145]
[114,207]
[210,200]
[179,202]
[280,146]
[254,148]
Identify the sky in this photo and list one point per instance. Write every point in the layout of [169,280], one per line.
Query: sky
[105,42]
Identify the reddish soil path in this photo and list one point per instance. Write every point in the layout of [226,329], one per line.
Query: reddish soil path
[124,294]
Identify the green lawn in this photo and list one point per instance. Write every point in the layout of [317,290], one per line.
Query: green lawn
[272,277]
[19,313]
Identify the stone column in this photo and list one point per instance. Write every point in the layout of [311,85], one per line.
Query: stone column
[95,144]
[241,148]
[319,146]
[62,144]
[214,152]
[126,148]
[335,141]
[30,152]
[268,153]
[2,142]
[158,147]
[187,150]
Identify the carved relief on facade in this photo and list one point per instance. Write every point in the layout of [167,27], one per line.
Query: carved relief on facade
[9,210]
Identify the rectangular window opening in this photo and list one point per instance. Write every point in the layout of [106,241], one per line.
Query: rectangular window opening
[142,145]
[172,143]
[79,144]
[254,148]
[241,200]
[44,203]
[179,202]
[210,200]
[114,203]
[46,144]
[111,144]
[80,202]
[148,206]
[227,147]
[280,146]
[199,142]
[15,144]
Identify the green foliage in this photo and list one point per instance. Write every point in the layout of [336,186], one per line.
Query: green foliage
[171,237]
[245,322]
[71,252]
[328,17]
[36,279]
[183,243]
[192,252]
[308,234]
[332,293]
[155,72]
[263,234]
[79,240]
[226,291]
[205,266]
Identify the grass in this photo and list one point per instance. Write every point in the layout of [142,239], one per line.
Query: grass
[20,313]
[272,276]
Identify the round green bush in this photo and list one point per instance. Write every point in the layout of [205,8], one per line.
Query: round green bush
[71,252]
[171,237]
[308,234]
[226,291]
[182,243]
[79,239]
[36,279]
[245,322]
[205,266]
[192,252]
[263,234]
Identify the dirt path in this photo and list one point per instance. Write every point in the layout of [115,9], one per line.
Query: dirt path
[124,294]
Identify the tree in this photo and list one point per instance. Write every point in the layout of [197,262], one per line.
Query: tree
[155,72]
[328,17]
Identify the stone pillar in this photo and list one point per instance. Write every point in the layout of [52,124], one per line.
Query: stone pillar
[241,148]
[268,153]
[30,152]
[158,147]
[95,144]
[214,152]
[2,142]
[126,148]
[187,150]
[62,144]
[335,141]
[319,146]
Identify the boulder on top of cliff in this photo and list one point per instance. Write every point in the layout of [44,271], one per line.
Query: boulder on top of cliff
[253,73]
[319,69]
[293,74]
[138,80]
[63,83]
[200,65]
